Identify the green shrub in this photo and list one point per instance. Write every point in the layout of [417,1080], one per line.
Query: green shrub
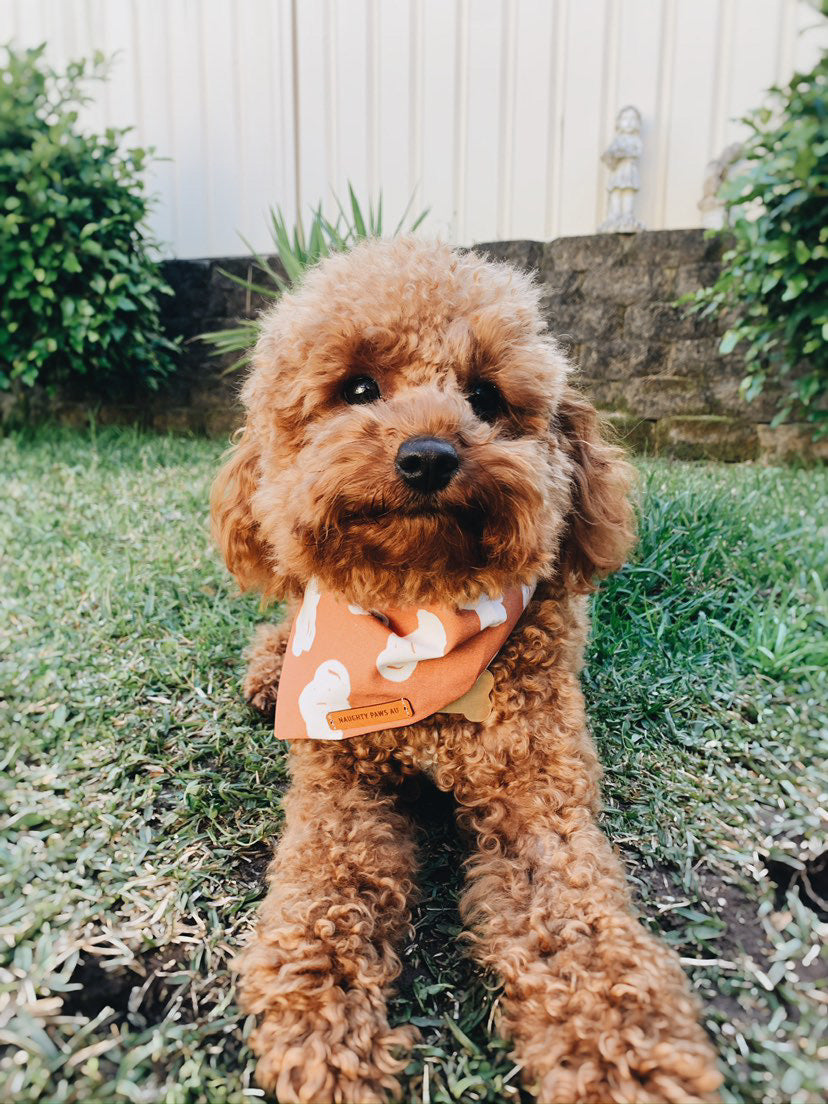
[79,284]
[298,252]
[774,279]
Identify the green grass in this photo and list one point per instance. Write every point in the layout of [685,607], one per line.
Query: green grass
[139,793]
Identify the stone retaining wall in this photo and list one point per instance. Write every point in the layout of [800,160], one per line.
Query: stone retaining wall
[652,367]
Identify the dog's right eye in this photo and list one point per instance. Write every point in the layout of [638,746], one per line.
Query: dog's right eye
[361,389]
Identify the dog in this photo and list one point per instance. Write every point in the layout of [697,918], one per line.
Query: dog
[412,444]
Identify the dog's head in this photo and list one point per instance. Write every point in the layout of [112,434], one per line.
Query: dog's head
[410,437]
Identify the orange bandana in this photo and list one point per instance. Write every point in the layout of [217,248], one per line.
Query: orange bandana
[348,671]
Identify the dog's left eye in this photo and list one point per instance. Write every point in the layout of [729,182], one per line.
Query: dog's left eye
[361,389]
[486,401]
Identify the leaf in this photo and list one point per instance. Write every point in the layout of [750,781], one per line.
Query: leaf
[419,220]
[729,342]
[359,222]
[795,286]
[250,285]
[266,267]
[463,1039]
[291,256]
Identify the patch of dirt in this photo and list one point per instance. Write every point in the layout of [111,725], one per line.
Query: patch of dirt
[142,991]
[744,933]
[659,886]
[251,866]
[808,875]
[99,989]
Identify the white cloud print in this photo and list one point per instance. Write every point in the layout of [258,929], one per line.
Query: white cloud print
[491,611]
[401,654]
[327,692]
[304,631]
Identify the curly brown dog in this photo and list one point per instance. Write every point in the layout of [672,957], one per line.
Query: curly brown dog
[393,343]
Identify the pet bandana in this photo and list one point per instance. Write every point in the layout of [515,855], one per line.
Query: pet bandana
[348,671]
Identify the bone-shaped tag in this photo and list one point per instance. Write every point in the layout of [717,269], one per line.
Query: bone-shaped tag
[475,704]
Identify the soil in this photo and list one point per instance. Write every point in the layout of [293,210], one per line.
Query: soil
[251,866]
[102,988]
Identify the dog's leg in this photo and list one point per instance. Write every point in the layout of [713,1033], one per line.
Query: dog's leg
[265,666]
[598,1009]
[323,958]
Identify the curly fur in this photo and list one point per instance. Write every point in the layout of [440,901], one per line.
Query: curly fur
[596,1008]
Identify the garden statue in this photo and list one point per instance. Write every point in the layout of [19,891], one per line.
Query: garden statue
[711,205]
[621,158]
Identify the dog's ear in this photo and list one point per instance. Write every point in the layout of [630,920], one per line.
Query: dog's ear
[234,529]
[601,528]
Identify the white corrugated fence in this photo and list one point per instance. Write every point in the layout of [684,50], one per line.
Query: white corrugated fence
[493,113]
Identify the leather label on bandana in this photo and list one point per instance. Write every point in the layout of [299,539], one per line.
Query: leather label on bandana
[358,717]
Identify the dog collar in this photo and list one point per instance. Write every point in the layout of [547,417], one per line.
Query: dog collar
[348,671]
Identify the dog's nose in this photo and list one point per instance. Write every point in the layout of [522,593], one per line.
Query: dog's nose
[427,463]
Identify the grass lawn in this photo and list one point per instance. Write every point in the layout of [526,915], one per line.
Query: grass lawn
[139,794]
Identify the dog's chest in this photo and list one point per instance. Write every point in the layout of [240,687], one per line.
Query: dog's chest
[439,745]
[445,746]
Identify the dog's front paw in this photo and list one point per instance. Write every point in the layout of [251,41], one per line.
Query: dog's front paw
[622,1044]
[663,1073]
[267,653]
[350,1056]
[613,1022]
[260,697]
